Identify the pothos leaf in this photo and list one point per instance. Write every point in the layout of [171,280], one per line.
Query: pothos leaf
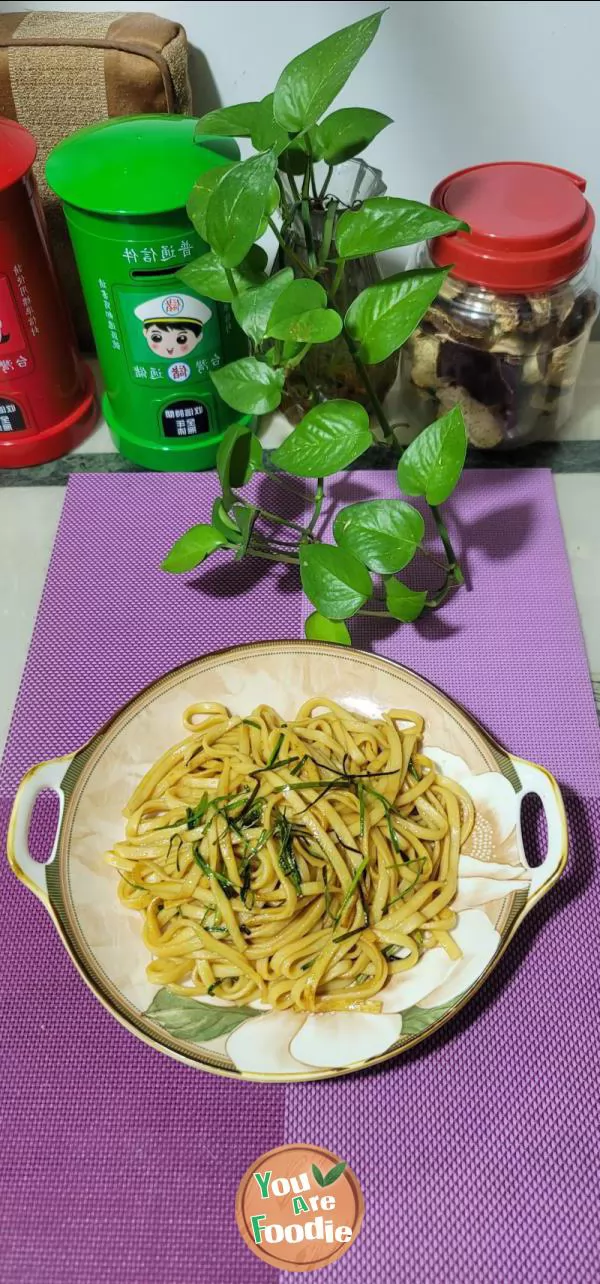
[298,297]
[191,549]
[382,533]
[245,516]
[300,315]
[250,386]
[238,456]
[237,206]
[347,132]
[209,277]
[225,524]
[385,222]
[336,583]
[201,193]
[294,159]
[329,437]
[318,326]
[266,132]
[229,122]
[383,316]
[402,602]
[317,628]
[193,1021]
[433,462]
[253,308]
[311,81]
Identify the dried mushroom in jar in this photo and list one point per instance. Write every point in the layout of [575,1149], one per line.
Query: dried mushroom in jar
[483,425]
[511,362]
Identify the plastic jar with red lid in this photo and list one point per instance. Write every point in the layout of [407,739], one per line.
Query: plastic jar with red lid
[506,336]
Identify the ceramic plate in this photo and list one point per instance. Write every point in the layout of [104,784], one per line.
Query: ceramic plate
[496,886]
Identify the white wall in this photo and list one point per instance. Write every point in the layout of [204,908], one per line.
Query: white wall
[465,81]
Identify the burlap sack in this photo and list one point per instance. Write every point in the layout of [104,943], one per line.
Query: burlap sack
[60,71]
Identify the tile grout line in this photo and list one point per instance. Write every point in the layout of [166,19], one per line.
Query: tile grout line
[561,456]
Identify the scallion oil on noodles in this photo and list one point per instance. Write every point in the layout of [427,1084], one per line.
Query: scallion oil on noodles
[299,863]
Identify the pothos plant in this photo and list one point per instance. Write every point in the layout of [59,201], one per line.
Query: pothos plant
[284,313]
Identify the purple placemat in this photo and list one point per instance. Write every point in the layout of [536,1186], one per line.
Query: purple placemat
[475,1152]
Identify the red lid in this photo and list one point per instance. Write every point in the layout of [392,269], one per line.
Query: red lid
[531,226]
[17,152]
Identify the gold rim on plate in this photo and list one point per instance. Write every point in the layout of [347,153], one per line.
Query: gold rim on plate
[70,773]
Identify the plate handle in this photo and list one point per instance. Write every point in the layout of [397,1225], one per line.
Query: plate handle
[47,775]
[536,780]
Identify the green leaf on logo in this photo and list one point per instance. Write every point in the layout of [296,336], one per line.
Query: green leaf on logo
[402,602]
[237,206]
[266,132]
[433,463]
[201,193]
[334,1173]
[415,1020]
[385,222]
[384,315]
[336,582]
[347,132]
[382,533]
[253,308]
[193,1021]
[318,1175]
[191,549]
[311,81]
[329,437]
[238,457]
[319,629]
[208,276]
[229,122]
[249,386]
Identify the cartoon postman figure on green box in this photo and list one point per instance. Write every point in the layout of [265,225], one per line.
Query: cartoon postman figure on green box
[173,324]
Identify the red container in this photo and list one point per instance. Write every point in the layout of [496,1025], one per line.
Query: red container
[530,225]
[47,400]
[507,334]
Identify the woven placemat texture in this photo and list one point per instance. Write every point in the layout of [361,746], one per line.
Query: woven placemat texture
[476,1151]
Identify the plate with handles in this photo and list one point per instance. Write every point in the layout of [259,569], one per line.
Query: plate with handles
[496,886]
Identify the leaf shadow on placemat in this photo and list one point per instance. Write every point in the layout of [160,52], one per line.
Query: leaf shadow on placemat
[223,579]
[498,536]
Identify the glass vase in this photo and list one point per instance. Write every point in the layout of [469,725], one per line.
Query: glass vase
[328,370]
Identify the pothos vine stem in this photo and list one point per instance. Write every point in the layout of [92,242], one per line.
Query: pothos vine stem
[231,282]
[442,530]
[318,504]
[326,183]
[305,208]
[288,251]
[379,412]
[291,180]
[272,557]
[454,576]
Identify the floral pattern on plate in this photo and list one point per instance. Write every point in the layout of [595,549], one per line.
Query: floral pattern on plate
[272,1042]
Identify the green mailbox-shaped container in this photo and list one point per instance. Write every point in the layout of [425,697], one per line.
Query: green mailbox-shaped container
[124,184]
